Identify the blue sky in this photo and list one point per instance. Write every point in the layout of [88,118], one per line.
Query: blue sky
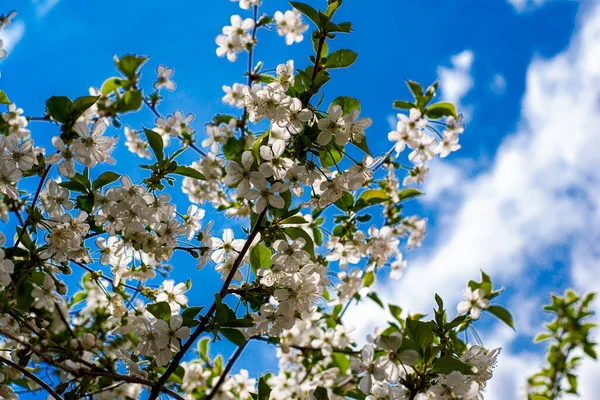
[517,199]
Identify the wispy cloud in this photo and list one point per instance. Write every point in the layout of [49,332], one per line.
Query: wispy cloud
[43,7]
[498,84]
[12,35]
[456,81]
[541,190]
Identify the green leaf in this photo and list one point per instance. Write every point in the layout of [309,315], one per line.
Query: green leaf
[396,312]
[355,394]
[160,310]
[345,27]
[222,119]
[408,194]
[295,233]
[320,393]
[368,279]
[129,64]
[189,172]
[373,296]
[341,59]
[345,202]
[362,145]
[4,98]
[332,7]
[233,148]
[218,365]
[156,143]
[415,88]
[191,312]
[74,186]
[347,103]
[264,390]
[112,84]
[573,383]
[419,331]
[330,156]
[203,348]
[60,108]
[131,101]
[81,105]
[260,257]
[324,46]
[442,109]
[342,362]
[238,323]
[78,298]
[541,337]
[104,179]
[294,220]
[307,10]
[403,105]
[321,79]
[85,202]
[371,197]
[234,336]
[448,364]
[502,314]
[588,349]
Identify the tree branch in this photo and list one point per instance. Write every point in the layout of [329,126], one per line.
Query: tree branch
[35,199]
[31,376]
[235,356]
[202,326]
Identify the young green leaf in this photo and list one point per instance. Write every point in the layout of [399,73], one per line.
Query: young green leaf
[4,98]
[189,172]
[341,59]
[502,314]
[104,179]
[156,143]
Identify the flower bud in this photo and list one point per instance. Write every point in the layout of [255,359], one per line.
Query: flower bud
[74,344]
[89,341]
[61,288]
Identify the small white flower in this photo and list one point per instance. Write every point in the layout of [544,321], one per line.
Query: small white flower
[475,302]
[172,294]
[164,78]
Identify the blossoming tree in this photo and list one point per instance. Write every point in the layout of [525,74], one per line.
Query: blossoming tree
[299,175]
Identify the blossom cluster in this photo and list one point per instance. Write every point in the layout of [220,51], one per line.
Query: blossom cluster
[302,181]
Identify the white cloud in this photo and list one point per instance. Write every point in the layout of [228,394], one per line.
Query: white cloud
[522,5]
[456,82]
[12,35]
[43,7]
[443,179]
[542,190]
[498,84]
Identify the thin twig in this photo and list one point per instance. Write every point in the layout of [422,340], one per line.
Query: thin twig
[250,65]
[106,278]
[192,146]
[236,355]
[31,376]
[94,370]
[205,320]
[307,348]
[35,199]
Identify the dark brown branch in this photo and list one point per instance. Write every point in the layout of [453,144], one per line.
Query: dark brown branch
[236,355]
[35,199]
[31,376]
[205,320]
